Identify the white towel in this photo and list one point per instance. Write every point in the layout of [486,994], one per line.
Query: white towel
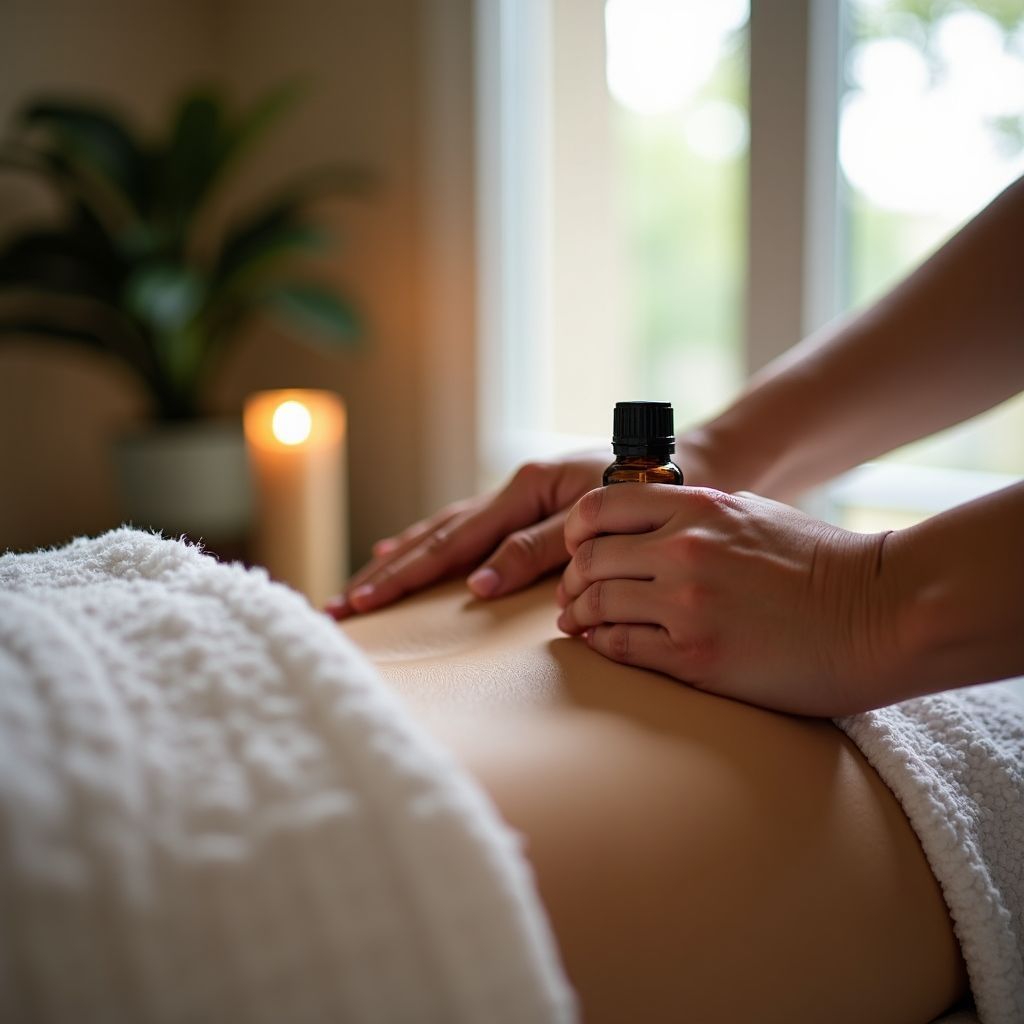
[955,761]
[211,809]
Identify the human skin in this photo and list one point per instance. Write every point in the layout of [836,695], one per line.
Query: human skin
[698,858]
[752,599]
[946,343]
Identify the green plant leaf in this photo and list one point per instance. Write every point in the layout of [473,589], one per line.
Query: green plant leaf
[278,226]
[315,308]
[90,135]
[164,296]
[193,157]
[262,238]
[128,272]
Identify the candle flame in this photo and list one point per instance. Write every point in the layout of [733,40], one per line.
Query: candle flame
[291,423]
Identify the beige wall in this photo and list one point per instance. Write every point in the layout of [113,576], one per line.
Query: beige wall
[376,75]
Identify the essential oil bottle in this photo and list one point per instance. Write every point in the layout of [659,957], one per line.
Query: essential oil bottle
[643,440]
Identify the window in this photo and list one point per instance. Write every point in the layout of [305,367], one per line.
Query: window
[931,128]
[678,77]
[616,157]
[612,211]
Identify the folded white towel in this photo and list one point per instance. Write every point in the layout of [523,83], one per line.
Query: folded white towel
[211,809]
[955,761]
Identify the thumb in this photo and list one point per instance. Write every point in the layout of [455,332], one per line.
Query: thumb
[521,558]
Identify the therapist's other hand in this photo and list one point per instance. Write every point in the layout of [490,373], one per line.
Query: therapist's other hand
[506,540]
[732,593]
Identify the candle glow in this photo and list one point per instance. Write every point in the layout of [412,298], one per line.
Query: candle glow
[296,442]
[291,422]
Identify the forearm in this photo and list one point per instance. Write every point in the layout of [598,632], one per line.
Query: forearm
[955,589]
[944,345]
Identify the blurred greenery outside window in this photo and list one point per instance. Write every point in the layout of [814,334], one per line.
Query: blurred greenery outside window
[931,128]
[678,77]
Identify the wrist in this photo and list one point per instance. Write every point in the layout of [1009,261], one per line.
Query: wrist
[724,455]
[872,650]
[911,613]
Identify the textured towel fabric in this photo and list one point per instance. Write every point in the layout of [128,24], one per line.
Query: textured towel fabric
[211,809]
[955,761]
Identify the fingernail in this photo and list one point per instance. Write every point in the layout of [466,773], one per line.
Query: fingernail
[361,594]
[382,547]
[588,635]
[337,607]
[484,582]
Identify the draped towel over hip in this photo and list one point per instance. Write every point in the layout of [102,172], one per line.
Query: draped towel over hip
[211,809]
[955,761]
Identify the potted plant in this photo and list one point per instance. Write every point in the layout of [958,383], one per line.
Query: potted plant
[136,269]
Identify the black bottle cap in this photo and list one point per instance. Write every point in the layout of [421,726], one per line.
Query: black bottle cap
[643,428]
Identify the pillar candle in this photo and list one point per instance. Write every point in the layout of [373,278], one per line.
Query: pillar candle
[296,444]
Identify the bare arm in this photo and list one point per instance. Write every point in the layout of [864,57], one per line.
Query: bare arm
[944,345]
[958,581]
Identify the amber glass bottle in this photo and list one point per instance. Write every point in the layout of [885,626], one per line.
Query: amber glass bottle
[643,439]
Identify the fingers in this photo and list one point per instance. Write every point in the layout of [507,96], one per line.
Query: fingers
[427,559]
[385,552]
[390,548]
[619,509]
[605,558]
[626,508]
[632,644]
[460,540]
[437,547]
[384,546]
[610,601]
[522,557]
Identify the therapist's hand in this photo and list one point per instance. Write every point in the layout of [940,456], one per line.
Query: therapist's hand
[506,540]
[731,593]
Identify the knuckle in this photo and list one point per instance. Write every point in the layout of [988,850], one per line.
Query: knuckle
[710,500]
[618,641]
[589,507]
[692,597]
[438,542]
[699,654]
[529,473]
[523,547]
[595,600]
[585,558]
[690,546]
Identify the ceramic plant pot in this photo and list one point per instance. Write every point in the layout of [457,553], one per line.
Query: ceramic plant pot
[190,478]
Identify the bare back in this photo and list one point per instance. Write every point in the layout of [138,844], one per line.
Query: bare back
[700,859]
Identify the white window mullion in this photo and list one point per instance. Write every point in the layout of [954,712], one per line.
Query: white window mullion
[512,123]
[824,227]
[778,170]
